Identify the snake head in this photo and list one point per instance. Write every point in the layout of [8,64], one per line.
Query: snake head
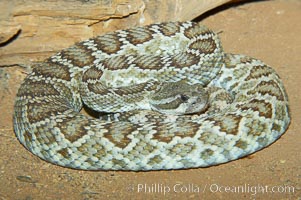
[179,98]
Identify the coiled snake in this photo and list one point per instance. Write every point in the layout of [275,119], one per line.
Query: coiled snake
[127,75]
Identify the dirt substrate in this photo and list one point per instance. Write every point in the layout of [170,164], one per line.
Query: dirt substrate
[267,30]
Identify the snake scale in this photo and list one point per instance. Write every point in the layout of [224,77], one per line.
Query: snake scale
[113,73]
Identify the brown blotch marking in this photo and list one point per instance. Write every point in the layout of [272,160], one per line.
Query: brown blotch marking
[47,137]
[207,153]
[93,73]
[228,61]
[52,69]
[38,111]
[108,43]
[206,46]
[73,127]
[241,144]
[215,140]
[184,60]
[227,123]
[98,88]
[155,160]
[264,109]
[197,29]
[115,63]
[154,85]
[120,163]
[256,127]
[258,72]
[276,127]
[270,88]
[183,149]
[224,96]
[136,151]
[167,132]
[281,111]
[90,161]
[101,151]
[79,55]
[170,28]
[232,60]
[37,89]
[132,100]
[148,62]
[118,133]
[263,141]
[135,89]
[64,152]
[28,138]
[246,59]
[84,149]
[139,35]
[121,91]
[47,100]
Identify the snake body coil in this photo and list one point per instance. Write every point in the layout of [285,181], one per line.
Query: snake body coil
[114,72]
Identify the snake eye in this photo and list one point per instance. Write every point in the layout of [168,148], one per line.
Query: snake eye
[184,97]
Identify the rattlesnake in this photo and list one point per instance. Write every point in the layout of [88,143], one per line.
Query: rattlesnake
[48,123]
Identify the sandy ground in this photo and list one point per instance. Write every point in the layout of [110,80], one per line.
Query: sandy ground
[268,30]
